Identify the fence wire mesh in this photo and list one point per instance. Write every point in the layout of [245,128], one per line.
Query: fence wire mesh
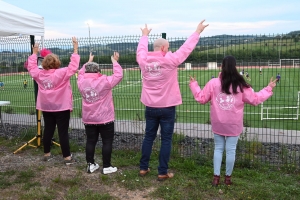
[271,130]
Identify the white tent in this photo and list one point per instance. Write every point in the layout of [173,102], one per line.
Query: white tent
[15,21]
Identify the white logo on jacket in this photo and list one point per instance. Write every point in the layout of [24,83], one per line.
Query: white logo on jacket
[48,85]
[153,69]
[225,101]
[90,95]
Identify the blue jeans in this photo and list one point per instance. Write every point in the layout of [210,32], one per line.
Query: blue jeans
[220,143]
[165,118]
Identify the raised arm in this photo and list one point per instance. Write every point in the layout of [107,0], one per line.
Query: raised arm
[255,98]
[82,70]
[32,61]
[188,46]
[75,45]
[117,75]
[142,48]
[75,58]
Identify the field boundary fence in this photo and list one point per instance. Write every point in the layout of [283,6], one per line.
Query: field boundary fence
[266,138]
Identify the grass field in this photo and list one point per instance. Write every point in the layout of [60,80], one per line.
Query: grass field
[36,179]
[128,105]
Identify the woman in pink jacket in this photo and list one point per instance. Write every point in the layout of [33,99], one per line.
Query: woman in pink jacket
[227,95]
[98,113]
[54,97]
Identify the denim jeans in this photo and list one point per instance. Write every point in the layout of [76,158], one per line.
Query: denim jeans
[61,119]
[155,117]
[107,132]
[220,143]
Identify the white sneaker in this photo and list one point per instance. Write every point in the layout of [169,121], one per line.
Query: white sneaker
[91,167]
[109,170]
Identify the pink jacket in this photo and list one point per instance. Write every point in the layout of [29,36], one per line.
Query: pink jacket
[55,92]
[227,111]
[96,92]
[160,84]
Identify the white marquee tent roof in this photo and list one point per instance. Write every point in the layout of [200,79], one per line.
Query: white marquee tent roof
[15,21]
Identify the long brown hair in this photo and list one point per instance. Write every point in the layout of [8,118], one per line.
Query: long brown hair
[230,77]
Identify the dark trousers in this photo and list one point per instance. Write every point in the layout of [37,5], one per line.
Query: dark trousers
[107,132]
[155,117]
[61,119]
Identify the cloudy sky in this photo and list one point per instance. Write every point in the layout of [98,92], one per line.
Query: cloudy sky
[178,18]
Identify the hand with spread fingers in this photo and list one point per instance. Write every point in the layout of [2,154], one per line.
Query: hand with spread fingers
[35,48]
[192,78]
[201,27]
[272,82]
[145,30]
[115,57]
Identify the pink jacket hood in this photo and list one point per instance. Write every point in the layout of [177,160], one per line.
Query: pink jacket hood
[160,84]
[55,92]
[96,92]
[227,110]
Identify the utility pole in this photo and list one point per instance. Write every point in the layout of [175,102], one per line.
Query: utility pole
[89,36]
[280,47]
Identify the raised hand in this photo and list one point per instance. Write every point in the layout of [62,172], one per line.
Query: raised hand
[272,82]
[192,79]
[75,44]
[146,31]
[91,58]
[201,27]
[35,48]
[115,57]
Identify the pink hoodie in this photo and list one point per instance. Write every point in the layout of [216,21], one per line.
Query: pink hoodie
[227,110]
[96,92]
[55,92]
[160,84]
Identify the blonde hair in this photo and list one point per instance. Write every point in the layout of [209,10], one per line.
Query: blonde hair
[51,61]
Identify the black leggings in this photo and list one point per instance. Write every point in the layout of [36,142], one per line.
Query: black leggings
[107,132]
[61,119]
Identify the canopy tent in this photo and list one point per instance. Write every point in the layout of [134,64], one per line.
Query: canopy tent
[15,21]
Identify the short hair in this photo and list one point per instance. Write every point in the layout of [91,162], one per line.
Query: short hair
[51,61]
[159,42]
[92,67]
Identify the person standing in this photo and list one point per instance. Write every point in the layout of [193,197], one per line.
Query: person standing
[55,97]
[25,84]
[160,94]
[1,85]
[278,78]
[260,71]
[98,113]
[227,95]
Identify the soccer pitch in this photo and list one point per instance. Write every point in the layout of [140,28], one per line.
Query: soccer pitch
[128,106]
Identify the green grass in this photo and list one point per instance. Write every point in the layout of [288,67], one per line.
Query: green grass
[192,180]
[128,106]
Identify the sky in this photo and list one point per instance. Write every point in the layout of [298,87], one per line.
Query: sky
[177,18]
